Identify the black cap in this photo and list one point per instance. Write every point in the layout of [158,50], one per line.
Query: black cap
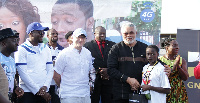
[68,34]
[8,32]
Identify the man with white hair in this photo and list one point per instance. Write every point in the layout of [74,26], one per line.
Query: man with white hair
[125,63]
[72,66]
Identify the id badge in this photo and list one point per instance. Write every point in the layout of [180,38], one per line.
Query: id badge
[148,96]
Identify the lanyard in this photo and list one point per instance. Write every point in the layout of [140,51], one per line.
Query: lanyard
[147,74]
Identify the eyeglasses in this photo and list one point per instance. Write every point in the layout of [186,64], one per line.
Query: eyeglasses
[131,33]
[39,32]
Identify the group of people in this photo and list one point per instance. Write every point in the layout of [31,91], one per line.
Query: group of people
[77,66]
[89,72]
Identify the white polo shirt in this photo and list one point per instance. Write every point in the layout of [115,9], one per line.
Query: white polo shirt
[74,69]
[34,65]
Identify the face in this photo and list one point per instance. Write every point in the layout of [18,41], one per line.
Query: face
[12,44]
[11,20]
[37,36]
[66,17]
[79,41]
[129,35]
[100,34]
[173,48]
[53,35]
[151,55]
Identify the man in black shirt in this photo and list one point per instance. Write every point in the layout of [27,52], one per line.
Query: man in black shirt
[125,63]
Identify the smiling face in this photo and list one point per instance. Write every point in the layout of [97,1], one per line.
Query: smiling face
[100,34]
[10,20]
[151,55]
[67,17]
[52,35]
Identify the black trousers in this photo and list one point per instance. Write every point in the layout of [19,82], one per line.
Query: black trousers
[103,89]
[54,97]
[29,97]
[121,101]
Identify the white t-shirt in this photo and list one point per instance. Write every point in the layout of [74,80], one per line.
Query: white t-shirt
[157,78]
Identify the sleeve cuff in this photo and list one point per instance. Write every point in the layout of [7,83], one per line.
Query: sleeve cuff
[123,78]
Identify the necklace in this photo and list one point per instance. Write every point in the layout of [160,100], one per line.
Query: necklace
[148,73]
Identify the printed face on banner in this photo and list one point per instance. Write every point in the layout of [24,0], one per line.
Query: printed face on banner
[65,18]
[10,20]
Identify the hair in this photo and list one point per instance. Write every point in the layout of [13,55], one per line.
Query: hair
[154,47]
[99,27]
[166,42]
[157,50]
[23,9]
[49,31]
[124,24]
[86,6]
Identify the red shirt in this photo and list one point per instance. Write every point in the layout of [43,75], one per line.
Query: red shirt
[99,45]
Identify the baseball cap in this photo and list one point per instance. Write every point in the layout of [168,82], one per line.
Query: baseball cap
[79,32]
[8,32]
[68,34]
[35,26]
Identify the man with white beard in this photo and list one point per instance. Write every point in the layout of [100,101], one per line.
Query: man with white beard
[125,63]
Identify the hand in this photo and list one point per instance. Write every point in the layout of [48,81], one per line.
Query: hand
[133,83]
[177,61]
[91,90]
[47,97]
[146,87]
[19,91]
[103,72]
[167,70]
[42,90]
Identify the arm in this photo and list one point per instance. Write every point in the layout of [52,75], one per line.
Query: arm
[21,63]
[19,91]
[49,69]
[157,89]
[183,70]
[92,73]
[59,67]
[57,78]
[197,71]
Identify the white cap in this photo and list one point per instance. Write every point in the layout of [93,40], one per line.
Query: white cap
[79,32]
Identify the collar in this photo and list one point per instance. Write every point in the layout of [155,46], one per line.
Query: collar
[57,46]
[98,42]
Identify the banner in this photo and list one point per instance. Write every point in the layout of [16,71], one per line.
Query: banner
[189,49]
[67,15]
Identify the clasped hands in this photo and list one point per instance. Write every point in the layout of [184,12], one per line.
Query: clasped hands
[103,72]
[42,92]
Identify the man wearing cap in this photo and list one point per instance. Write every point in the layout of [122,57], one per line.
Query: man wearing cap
[9,40]
[72,67]
[34,65]
[68,37]
[55,48]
